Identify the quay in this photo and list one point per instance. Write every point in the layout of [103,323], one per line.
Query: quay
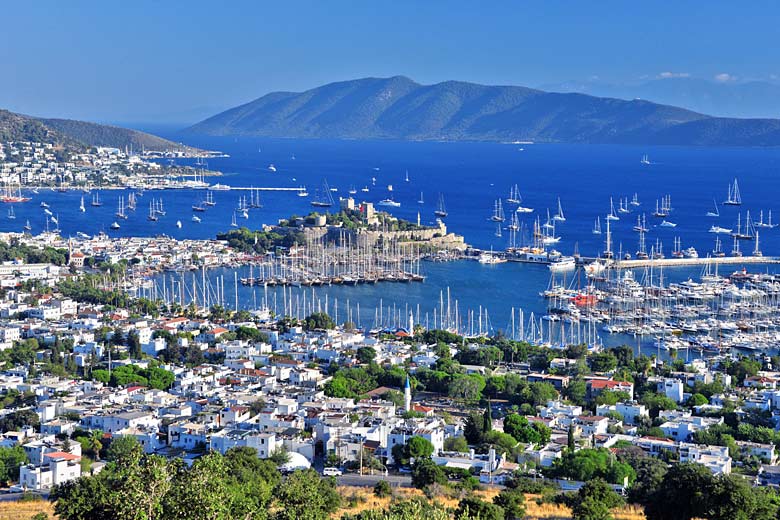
[679,262]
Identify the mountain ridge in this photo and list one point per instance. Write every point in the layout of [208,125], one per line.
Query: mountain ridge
[69,132]
[399,108]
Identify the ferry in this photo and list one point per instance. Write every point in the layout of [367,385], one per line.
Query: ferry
[562,263]
[220,187]
[718,229]
[389,202]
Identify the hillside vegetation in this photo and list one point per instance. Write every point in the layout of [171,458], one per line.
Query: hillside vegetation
[399,108]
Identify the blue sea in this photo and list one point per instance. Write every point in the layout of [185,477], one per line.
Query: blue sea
[470,177]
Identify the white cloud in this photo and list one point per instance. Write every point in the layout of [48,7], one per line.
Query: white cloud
[724,77]
[667,74]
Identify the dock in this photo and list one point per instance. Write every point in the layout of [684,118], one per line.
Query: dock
[681,262]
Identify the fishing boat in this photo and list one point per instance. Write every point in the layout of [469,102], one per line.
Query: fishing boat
[498,212]
[389,203]
[421,200]
[233,222]
[11,214]
[559,216]
[611,215]
[96,202]
[441,209]
[271,168]
[323,197]
[27,226]
[514,195]
[635,200]
[178,224]
[114,225]
[645,159]
[667,224]
[597,226]
[734,198]
[195,218]
[209,202]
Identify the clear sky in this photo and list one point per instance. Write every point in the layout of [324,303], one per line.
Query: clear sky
[172,61]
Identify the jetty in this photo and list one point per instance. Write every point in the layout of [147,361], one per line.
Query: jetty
[681,262]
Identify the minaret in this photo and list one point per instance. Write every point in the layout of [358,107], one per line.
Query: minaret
[407,396]
[411,323]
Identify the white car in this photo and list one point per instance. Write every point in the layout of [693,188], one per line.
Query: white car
[332,472]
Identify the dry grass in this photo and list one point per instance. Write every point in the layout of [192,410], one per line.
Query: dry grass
[364,499]
[25,510]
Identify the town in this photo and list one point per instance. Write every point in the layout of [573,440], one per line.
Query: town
[37,165]
[90,372]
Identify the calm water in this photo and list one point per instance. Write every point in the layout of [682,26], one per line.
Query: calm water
[470,176]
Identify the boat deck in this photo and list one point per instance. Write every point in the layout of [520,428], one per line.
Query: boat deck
[679,262]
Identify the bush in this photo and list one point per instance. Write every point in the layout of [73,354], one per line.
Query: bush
[382,489]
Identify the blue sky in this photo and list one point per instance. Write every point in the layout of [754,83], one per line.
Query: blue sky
[171,61]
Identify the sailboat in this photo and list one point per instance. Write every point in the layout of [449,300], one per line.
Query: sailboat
[178,224]
[81,206]
[715,213]
[120,212]
[635,200]
[159,209]
[11,214]
[27,226]
[514,195]
[323,197]
[152,212]
[611,215]
[407,176]
[131,202]
[421,200]
[645,159]
[96,200]
[352,190]
[559,216]
[441,210]
[641,224]
[302,192]
[597,226]
[515,225]
[762,224]
[623,205]
[209,199]
[498,212]
[718,251]
[734,197]
[233,222]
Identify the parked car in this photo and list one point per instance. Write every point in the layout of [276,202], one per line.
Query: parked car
[332,472]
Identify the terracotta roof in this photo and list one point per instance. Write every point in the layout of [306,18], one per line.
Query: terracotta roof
[62,455]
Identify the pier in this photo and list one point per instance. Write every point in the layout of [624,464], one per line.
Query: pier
[680,262]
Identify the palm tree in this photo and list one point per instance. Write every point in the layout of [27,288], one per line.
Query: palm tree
[94,444]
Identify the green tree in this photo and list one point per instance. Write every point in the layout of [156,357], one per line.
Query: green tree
[382,489]
[457,443]
[595,500]
[418,447]
[123,449]
[11,459]
[512,501]
[425,472]
[305,496]
[474,508]
[366,355]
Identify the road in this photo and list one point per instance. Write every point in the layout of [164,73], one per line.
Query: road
[353,479]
